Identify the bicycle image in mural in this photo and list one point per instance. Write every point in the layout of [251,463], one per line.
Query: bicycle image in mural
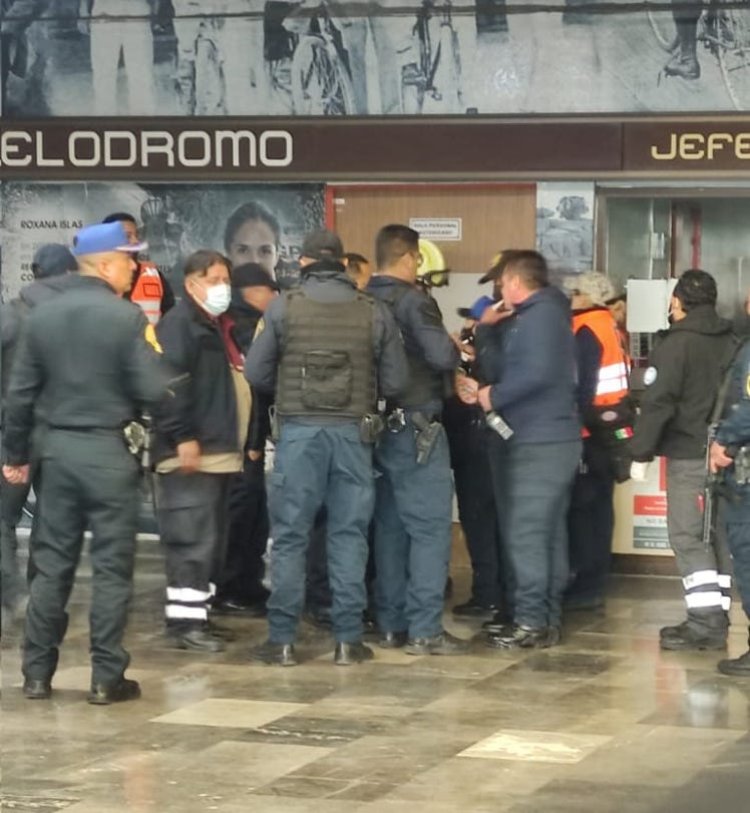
[372,57]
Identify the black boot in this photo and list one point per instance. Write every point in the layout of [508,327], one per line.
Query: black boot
[348,653]
[737,667]
[274,654]
[518,636]
[684,63]
[687,636]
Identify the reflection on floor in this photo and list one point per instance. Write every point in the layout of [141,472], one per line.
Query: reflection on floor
[604,723]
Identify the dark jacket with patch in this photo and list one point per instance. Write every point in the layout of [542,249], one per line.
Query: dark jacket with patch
[205,408]
[686,368]
[83,362]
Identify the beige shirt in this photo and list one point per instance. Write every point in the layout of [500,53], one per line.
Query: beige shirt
[226,462]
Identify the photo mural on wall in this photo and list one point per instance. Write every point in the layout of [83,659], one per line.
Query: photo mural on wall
[386,57]
[249,223]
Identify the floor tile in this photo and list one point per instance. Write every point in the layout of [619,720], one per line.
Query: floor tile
[536,746]
[229,713]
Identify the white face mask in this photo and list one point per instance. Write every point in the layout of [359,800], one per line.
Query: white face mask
[218,298]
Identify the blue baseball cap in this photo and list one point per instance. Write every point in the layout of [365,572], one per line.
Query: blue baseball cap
[477,309]
[103,237]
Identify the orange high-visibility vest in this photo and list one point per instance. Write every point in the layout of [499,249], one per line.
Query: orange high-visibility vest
[148,291]
[612,383]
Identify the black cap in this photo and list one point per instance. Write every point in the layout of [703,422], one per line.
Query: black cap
[51,260]
[252,275]
[322,244]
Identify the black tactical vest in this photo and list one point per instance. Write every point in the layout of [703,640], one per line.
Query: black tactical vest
[327,363]
[425,384]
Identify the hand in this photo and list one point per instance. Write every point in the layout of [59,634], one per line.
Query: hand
[466,389]
[189,455]
[718,457]
[16,475]
[492,316]
[483,399]
[255,455]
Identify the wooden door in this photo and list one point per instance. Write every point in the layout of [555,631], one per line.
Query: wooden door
[491,217]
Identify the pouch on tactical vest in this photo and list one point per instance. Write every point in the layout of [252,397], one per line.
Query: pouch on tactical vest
[327,377]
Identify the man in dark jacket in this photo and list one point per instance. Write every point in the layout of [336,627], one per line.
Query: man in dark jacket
[51,267]
[686,368]
[412,520]
[531,366]
[327,351]
[240,589]
[199,447]
[85,364]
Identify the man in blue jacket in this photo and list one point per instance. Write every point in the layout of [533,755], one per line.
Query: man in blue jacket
[531,369]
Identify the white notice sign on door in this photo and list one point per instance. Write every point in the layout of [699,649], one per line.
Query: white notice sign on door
[441,229]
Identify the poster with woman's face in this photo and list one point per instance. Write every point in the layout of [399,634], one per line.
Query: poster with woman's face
[263,223]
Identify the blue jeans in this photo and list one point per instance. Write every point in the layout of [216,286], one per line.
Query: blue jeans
[533,489]
[412,525]
[316,466]
[738,535]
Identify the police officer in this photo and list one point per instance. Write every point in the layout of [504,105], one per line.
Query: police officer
[686,368]
[412,520]
[327,350]
[84,358]
[730,453]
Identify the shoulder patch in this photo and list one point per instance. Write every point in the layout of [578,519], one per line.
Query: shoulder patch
[650,376]
[150,336]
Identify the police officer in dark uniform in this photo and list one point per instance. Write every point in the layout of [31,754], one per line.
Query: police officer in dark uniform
[84,358]
[685,372]
[327,350]
[730,454]
[412,517]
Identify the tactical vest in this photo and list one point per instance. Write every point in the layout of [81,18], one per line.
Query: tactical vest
[327,363]
[425,384]
[148,291]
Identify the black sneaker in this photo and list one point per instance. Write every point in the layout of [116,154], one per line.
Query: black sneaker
[686,67]
[498,623]
[103,694]
[737,667]
[472,609]
[442,644]
[274,654]
[519,636]
[242,609]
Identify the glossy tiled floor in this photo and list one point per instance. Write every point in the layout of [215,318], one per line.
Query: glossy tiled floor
[604,723]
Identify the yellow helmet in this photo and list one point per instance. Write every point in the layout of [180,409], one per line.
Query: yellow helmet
[432,271]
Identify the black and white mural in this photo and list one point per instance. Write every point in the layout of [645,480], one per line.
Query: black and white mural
[249,223]
[372,57]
